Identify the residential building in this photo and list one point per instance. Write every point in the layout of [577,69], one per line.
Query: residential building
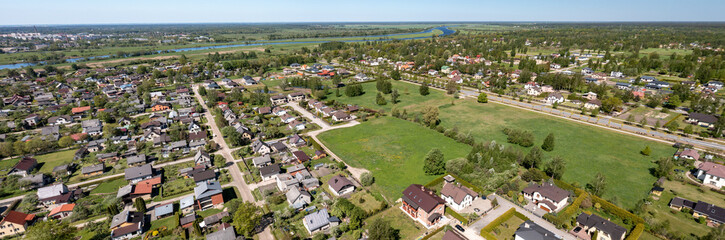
[340,185]
[137,174]
[208,195]
[547,196]
[15,223]
[297,198]
[269,172]
[62,211]
[93,170]
[202,158]
[605,229]
[711,173]
[456,196]
[262,161]
[532,231]
[702,119]
[423,205]
[319,221]
[24,167]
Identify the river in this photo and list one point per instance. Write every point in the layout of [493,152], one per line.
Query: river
[446,31]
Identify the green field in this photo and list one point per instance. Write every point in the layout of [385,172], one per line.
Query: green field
[48,161]
[392,149]
[409,97]
[680,222]
[396,218]
[587,150]
[111,186]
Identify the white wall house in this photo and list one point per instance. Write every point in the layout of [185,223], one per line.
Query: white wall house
[711,173]
[547,196]
[458,197]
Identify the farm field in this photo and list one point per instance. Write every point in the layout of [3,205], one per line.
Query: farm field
[586,149]
[396,160]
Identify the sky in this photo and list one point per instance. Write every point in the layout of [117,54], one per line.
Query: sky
[52,12]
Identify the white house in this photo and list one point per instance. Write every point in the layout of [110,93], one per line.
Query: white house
[555,98]
[533,91]
[547,196]
[711,173]
[458,197]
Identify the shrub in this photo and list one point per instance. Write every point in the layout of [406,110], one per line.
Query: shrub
[520,137]
[636,232]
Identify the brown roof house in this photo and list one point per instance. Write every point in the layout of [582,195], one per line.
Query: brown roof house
[458,197]
[423,205]
[711,173]
[547,196]
[340,185]
[24,167]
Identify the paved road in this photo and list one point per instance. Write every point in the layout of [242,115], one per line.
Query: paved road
[226,152]
[505,205]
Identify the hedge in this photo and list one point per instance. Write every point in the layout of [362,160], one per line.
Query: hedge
[435,181]
[619,212]
[433,233]
[565,215]
[486,231]
[636,232]
[455,215]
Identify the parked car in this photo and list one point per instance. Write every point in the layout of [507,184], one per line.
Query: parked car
[460,228]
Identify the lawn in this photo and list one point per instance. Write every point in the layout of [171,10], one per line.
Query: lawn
[208,212]
[51,160]
[679,221]
[169,222]
[368,203]
[694,193]
[111,186]
[396,218]
[392,149]
[409,95]
[508,228]
[586,149]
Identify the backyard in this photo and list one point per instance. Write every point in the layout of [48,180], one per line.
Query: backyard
[396,218]
[396,160]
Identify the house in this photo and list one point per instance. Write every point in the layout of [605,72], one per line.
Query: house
[297,198]
[93,170]
[688,153]
[547,196]
[145,189]
[701,119]
[623,85]
[286,118]
[60,120]
[286,181]
[187,221]
[301,156]
[204,176]
[423,205]
[262,161]
[590,96]
[647,79]
[15,223]
[616,74]
[186,205]
[269,172]
[319,221]
[160,107]
[278,111]
[593,104]
[278,147]
[533,91]
[260,147]
[296,125]
[62,170]
[202,158]
[458,197]
[451,234]
[715,84]
[278,99]
[226,233]
[127,225]
[137,174]
[341,116]
[136,160]
[711,173]
[49,195]
[61,211]
[162,211]
[208,195]
[297,141]
[605,229]
[214,219]
[529,230]
[340,185]
[24,167]
[295,97]
[715,215]
[555,98]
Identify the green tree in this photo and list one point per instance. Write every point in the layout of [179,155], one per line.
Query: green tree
[99,101]
[646,151]
[482,98]
[673,126]
[533,159]
[394,96]
[434,164]
[598,185]
[423,89]
[430,116]
[688,129]
[556,167]
[367,179]
[140,205]
[664,168]
[246,218]
[548,143]
[65,141]
[202,91]
[716,233]
[395,75]
[381,230]
[50,230]
[380,100]
[630,118]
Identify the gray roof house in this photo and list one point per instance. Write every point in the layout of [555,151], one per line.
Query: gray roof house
[318,221]
[592,223]
[532,231]
[136,174]
[262,161]
[136,159]
[89,170]
[298,198]
[224,234]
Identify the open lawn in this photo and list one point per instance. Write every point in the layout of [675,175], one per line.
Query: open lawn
[586,149]
[694,193]
[48,161]
[392,149]
[409,95]
[396,218]
[680,222]
[508,228]
[366,201]
[110,186]
[168,222]
[664,52]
